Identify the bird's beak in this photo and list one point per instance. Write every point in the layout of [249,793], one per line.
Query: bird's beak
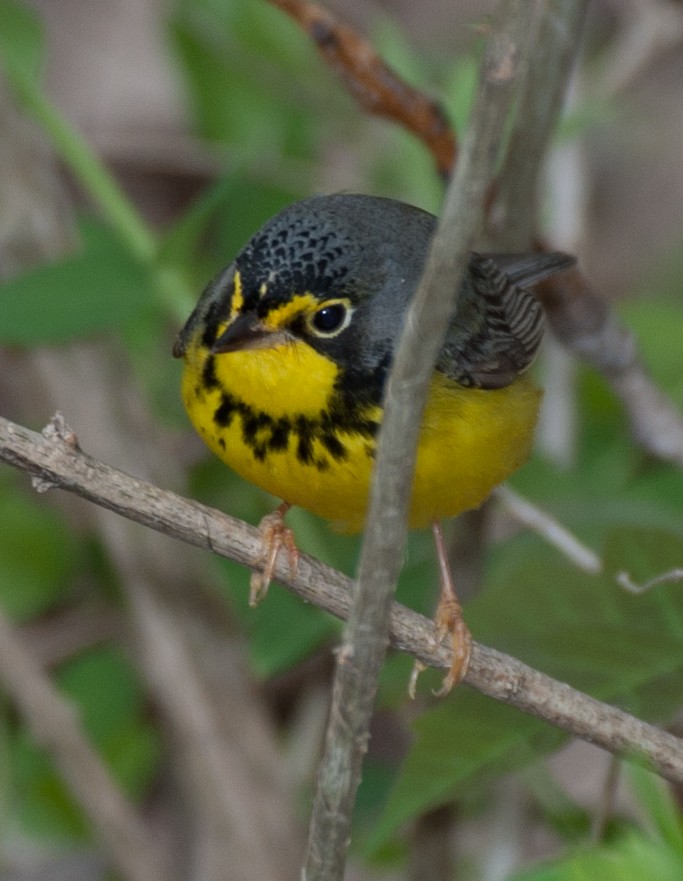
[247,332]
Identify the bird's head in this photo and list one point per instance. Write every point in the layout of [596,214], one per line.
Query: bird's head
[331,274]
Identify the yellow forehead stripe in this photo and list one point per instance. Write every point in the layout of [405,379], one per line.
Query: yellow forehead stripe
[281,315]
[237,294]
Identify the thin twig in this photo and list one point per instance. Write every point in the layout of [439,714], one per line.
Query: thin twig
[493,673]
[550,529]
[649,29]
[377,88]
[671,577]
[514,215]
[364,644]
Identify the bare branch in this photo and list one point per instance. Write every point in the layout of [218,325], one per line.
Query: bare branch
[377,88]
[493,673]
[514,216]
[589,328]
[550,529]
[649,29]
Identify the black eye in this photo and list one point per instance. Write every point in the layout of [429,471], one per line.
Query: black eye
[330,318]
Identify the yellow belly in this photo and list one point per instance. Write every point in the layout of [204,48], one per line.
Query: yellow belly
[471,439]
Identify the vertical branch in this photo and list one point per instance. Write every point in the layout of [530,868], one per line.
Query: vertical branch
[513,220]
[365,640]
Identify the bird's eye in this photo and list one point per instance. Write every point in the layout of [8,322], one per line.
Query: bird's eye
[331,318]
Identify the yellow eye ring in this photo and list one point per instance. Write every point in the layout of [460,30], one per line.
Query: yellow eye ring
[330,318]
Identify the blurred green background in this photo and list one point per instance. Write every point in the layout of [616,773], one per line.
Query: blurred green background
[178,128]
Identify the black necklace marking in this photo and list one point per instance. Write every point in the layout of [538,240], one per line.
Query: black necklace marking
[263,433]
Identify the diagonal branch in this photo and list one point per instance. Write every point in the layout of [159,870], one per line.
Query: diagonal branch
[584,322]
[58,463]
[377,88]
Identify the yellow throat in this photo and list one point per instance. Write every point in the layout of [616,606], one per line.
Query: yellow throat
[269,414]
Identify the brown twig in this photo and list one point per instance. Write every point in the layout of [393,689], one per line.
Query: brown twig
[377,88]
[493,673]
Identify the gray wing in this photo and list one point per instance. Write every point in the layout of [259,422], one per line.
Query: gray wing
[498,324]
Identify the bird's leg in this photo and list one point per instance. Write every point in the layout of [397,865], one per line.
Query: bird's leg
[275,535]
[449,618]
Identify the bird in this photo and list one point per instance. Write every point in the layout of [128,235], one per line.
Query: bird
[286,358]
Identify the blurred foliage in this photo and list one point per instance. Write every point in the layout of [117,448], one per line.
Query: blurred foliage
[259,92]
[650,848]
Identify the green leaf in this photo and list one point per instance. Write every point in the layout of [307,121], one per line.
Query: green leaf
[97,290]
[134,751]
[559,810]
[661,813]
[37,555]
[632,858]
[460,89]
[577,628]
[657,326]
[246,65]
[21,41]
[103,710]
[282,631]
[182,239]
[463,742]
[42,803]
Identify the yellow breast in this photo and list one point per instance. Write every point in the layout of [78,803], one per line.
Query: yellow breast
[265,414]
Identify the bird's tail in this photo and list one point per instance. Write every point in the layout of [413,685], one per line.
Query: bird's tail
[529,268]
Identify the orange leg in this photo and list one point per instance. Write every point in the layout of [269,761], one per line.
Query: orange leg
[448,620]
[275,535]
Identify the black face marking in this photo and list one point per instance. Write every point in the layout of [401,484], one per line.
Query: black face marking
[211,323]
[209,373]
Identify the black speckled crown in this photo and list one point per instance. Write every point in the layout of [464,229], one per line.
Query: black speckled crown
[307,247]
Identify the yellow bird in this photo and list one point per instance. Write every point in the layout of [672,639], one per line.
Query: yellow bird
[288,350]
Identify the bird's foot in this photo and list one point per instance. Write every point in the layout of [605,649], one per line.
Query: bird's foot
[449,620]
[274,535]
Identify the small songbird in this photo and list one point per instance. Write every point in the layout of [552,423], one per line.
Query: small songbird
[288,350]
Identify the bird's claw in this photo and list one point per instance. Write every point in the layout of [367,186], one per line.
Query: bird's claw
[275,535]
[450,621]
